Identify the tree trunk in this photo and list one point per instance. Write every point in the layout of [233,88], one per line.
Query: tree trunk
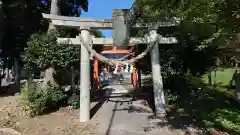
[7,71]
[210,78]
[139,78]
[215,78]
[237,80]
[55,11]
[49,73]
[17,73]
[237,76]
[1,20]
[72,78]
[49,79]
[1,31]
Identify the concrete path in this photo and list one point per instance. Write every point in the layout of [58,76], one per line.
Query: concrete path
[115,116]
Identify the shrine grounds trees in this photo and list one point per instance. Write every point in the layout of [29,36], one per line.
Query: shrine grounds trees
[24,27]
[43,52]
[207,36]
[20,19]
[16,30]
[66,8]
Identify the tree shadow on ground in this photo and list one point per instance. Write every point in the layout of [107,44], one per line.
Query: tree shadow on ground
[99,97]
[193,104]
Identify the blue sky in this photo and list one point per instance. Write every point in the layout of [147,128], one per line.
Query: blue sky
[103,9]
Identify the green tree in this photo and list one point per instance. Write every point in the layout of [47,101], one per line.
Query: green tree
[66,8]
[21,18]
[1,20]
[208,34]
[45,53]
[221,15]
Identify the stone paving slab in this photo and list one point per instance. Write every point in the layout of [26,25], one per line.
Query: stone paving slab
[114,117]
[119,115]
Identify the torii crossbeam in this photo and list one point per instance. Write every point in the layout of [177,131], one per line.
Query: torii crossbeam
[66,21]
[109,41]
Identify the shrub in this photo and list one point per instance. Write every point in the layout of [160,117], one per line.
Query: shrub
[227,119]
[171,97]
[74,99]
[39,101]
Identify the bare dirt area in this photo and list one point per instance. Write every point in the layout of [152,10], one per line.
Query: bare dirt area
[62,122]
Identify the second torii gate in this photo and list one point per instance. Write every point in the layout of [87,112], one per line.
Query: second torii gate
[110,41]
[85,25]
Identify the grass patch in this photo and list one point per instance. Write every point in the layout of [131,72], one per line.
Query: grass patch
[210,107]
[217,109]
[223,76]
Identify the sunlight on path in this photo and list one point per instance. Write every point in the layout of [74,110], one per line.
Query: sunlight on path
[115,116]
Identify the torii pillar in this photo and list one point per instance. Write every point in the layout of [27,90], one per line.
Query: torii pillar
[159,100]
[85,77]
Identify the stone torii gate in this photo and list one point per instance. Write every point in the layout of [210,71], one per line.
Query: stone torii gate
[85,25]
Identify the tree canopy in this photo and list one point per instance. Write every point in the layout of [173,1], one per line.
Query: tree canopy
[23,18]
[209,29]
[68,7]
[43,52]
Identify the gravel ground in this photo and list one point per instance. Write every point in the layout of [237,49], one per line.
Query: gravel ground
[63,122]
